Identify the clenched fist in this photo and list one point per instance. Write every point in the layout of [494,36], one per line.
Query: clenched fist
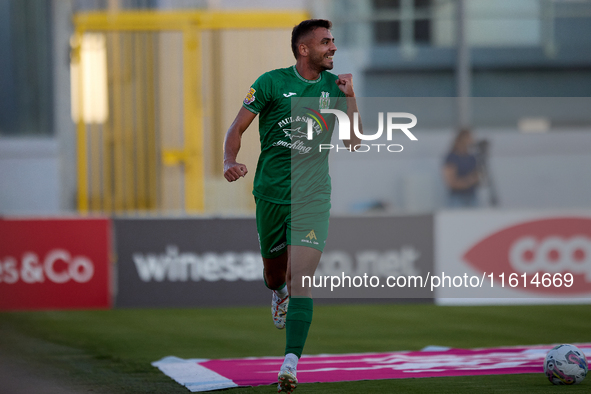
[234,171]
[345,84]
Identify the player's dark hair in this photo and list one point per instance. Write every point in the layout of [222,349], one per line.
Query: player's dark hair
[303,29]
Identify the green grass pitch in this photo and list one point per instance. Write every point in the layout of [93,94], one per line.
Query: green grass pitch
[111,351]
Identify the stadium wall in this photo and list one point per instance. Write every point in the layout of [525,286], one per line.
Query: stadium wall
[529,170]
[29,175]
[552,173]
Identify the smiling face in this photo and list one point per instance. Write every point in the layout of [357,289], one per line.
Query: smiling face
[320,49]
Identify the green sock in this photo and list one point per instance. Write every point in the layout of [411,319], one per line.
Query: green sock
[299,317]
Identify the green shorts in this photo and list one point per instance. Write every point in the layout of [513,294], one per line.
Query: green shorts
[301,224]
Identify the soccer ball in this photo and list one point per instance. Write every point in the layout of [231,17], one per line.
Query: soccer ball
[565,364]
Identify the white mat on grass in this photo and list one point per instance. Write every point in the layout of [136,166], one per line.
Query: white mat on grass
[192,375]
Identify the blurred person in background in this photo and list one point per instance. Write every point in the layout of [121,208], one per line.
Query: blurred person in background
[292,227]
[461,172]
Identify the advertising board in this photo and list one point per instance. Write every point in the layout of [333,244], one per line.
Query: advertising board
[55,264]
[513,257]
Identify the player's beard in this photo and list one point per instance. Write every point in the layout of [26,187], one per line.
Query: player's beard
[320,63]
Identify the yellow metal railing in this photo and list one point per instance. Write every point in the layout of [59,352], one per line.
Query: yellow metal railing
[120,157]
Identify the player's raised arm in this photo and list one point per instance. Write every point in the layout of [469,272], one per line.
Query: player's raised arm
[345,84]
[232,169]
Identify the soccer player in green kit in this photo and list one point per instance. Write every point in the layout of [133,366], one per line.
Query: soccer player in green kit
[292,224]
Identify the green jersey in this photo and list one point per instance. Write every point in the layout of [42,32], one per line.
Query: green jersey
[291,167]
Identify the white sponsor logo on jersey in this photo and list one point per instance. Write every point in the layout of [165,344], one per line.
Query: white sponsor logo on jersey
[294,133]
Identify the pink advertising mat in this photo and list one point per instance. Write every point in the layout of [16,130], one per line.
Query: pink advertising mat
[204,375]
